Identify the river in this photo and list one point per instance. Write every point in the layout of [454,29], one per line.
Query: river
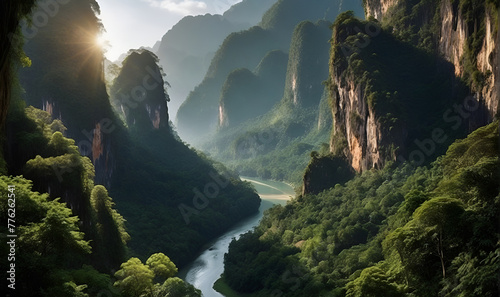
[207,268]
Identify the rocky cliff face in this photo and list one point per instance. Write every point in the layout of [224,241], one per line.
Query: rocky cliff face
[378,8]
[454,35]
[246,95]
[306,64]
[356,134]
[138,93]
[66,80]
[389,98]
[465,36]
[460,26]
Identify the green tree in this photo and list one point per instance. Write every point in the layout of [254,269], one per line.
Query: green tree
[440,219]
[134,278]
[11,43]
[373,282]
[162,266]
[112,236]
[61,145]
[57,236]
[49,238]
[175,287]
[473,276]
[427,244]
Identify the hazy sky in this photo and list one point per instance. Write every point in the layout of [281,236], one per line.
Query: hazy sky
[135,23]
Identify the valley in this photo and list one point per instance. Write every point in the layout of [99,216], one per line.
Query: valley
[208,267]
[259,148]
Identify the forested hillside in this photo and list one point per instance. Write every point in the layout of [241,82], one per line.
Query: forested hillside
[420,217]
[66,236]
[397,231]
[69,152]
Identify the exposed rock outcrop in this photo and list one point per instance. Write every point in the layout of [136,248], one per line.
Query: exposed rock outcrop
[461,29]
[66,79]
[306,67]
[138,93]
[388,98]
[454,42]
[325,172]
[378,8]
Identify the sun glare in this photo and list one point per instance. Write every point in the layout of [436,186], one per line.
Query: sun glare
[101,42]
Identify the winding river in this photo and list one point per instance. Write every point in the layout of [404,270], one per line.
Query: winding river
[207,268]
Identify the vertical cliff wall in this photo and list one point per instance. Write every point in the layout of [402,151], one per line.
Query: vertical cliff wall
[306,69]
[466,34]
[379,8]
[389,98]
[66,78]
[138,94]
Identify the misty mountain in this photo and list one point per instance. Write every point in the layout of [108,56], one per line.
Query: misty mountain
[186,50]
[198,115]
[276,143]
[248,11]
[246,95]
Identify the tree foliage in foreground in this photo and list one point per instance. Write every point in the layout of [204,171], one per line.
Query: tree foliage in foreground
[137,279]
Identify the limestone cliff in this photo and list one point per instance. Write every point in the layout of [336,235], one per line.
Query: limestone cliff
[357,134]
[138,93]
[390,98]
[454,42]
[466,34]
[66,80]
[306,67]
[378,8]
[246,95]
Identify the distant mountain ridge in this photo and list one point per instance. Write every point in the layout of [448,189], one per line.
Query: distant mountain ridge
[186,50]
[198,115]
[246,95]
[277,143]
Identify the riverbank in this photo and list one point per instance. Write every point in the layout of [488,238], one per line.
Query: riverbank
[207,269]
[221,287]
